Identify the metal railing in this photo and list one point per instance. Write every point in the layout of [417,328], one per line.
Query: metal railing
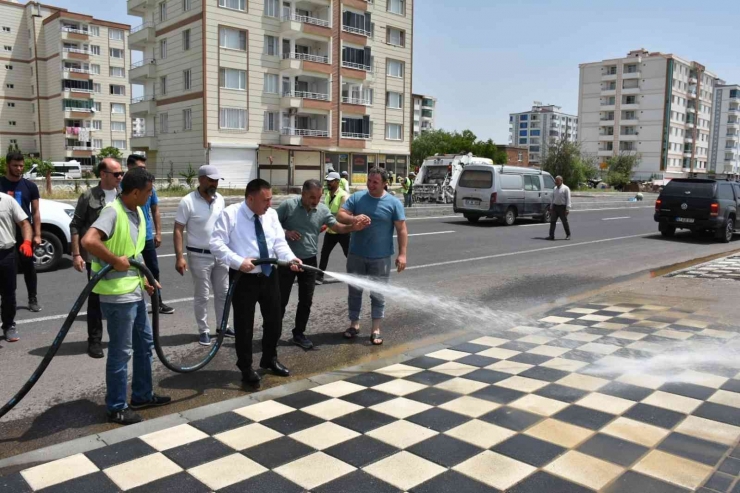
[68,29]
[78,148]
[360,101]
[304,132]
[306,95]
[141,63]
[357,30]
[78,110]
[142,98]
[77,70]
[147,133]
[140,27]
[306,19]
[354,135]
[357,66]
[306,57]
[78,89]
[76,50]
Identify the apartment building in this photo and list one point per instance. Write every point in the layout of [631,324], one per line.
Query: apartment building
[657,105]
[724,158]
[537,128]
[137,126]
[423,114]
[64,88]
[278,89]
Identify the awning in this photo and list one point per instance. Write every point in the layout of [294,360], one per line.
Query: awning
[288,148]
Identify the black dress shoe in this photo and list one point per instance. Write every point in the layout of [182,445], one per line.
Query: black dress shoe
[251,378]
[95,350]
[276,367]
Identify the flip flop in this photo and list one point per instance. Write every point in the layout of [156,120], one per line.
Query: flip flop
[376,339]
[351,333]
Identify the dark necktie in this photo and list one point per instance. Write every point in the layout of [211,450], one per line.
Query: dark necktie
[262,243]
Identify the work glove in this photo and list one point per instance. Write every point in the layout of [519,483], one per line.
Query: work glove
[26,249]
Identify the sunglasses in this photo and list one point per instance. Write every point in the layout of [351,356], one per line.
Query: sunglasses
[117,174]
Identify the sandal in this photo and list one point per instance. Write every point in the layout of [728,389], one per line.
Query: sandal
[351,333]
[376,339]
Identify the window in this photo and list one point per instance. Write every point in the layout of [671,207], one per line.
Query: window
[548,180]
[271,83]
[476,179]
[116,53]
[116,108]
[534,132]
[186,40]
[272,8]
[162,11]
[95,49]
[6,29]
[163,85]
[271,121]
[8,48]
[97,124]
[233,39]
[97,87]
[395,37]
[11,105]
[120,144]
[395,68]
[117,72]
[97,143]
[531,183]
[230,78]
[10,86]
[630,69]
[630,100]
[186,5]
[11,123]
[118,90]
[116,34]
[394,100]
[162,49]
[394,131]
[523,140]
[95,69]
[187,119]
[99,107]
[118,126]
[8,67]
[186,79]
[271,46]
[94,31]
[233,118]
[523,124]
[630,84]
[164,123]
[233,4]
[397,7]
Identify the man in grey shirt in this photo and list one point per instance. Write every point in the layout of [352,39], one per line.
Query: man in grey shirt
[560,208]
[303,219]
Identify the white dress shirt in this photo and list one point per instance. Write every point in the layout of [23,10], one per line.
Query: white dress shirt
[561,196]
[234,237]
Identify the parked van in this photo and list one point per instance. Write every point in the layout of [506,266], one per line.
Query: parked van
[503,192]
[67,170]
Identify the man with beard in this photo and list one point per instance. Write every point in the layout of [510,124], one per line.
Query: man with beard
[197,213]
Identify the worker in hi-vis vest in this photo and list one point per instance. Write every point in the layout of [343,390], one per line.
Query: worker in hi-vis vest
[343,182]
[119,234]
[408,189]
[333,200]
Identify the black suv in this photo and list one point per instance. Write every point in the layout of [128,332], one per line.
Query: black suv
[698,205]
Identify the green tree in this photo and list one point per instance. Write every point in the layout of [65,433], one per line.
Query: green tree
[45,168]
[566,159]
[620,167]
[443,142]
[189,175]
[110,151]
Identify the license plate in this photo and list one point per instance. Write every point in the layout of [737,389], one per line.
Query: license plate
[684,219]
[472,202]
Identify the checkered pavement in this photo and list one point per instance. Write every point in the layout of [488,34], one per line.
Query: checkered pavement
[724,268]
[529,410]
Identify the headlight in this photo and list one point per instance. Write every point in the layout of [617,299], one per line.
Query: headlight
[70,213]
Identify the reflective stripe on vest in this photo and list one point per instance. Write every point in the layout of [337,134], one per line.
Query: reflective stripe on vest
[121,244]
[334,205]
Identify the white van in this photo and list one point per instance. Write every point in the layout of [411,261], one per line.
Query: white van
[66,170]
[503,192]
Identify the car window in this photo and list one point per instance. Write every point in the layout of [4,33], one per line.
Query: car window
[535,182]
[511,182]
[725,192]
[528,186]
[679,188]
[549,182]
[476,178]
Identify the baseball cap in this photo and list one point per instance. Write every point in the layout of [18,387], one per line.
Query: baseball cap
[210,171]
[332,176]
[344,173]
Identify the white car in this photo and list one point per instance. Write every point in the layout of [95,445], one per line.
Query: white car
[55,236]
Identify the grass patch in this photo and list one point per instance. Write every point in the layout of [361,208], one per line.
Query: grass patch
[164,192]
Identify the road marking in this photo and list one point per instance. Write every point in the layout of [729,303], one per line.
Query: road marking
[614,218]
[530,225]
[427,234]
[457,216]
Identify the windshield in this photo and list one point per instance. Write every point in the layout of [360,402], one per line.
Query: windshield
[704,190]
[476,178]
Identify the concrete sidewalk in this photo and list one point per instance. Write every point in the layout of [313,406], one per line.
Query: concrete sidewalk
[556,406]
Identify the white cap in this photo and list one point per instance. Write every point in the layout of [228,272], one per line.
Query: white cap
[210,171]
[332,176]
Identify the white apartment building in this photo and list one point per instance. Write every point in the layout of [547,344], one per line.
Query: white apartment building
[653,104]
[138,126]
[537,128]
[283,90]
[64,88]
[425,108]
[724,158]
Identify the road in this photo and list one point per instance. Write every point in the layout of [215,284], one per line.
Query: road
[504,268]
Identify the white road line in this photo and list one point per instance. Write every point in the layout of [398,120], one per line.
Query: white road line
[614,218]
[456,216]
[427,234]
[530,225]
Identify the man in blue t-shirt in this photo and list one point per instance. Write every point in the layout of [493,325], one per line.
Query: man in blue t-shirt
[371,249]
[153,230]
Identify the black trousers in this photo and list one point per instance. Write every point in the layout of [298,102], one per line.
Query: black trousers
[559,211]
[94,314]
[253,289]
[8,274]
[306,286]
[28,267]
[330,241]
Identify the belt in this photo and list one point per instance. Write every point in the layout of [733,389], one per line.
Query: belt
[198,250]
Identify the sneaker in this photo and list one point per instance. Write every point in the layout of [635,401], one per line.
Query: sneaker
[228,332]
[33,304]
[11,334]
[124,417]
[567,237]
[302,341]
[156,400]
[165,309]
[204,339]
[95,350]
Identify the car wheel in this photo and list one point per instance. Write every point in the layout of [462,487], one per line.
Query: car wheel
[510,217]
[724,235]
[472,219]
[47,255]
[668,231]
[547,216]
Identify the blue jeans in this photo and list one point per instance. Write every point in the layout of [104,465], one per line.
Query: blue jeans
[407,199]
[128,327]
[377,269]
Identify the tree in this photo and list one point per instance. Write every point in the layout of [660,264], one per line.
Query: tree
[45,168]
[110,151]
[443,142]
[565,158]
[189,175]
[620,167]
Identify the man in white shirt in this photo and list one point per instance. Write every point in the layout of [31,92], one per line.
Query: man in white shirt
[11,215]
[560,208]
[197,212]
[242,233]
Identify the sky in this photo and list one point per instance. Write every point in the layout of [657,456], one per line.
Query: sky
[484,59]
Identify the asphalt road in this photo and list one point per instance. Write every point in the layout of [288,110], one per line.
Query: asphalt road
[496,267]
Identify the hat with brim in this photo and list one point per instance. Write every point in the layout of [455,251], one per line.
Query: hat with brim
[210,171]
[333,176]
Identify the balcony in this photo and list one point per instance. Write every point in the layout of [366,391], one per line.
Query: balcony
[294,24]
[631,75]
[729,169]
[144,140]
[357,31]
[629,137]
[691,94]
[358,70]
[734,110]
[300,136]
[608,77]
[76,112]
[606,137]
[138,8]
[78,151]
[75,54]
[75,73]
[690,109]
[77,93]
[630,90]
[606,106]
[606,121]
[363,102]
[733,124]
[605,153]
[69,33]
[693,80]
[143,70]
[353,135]
[297,62]
[607,91]
[311,102]
[143,106]
[142,35]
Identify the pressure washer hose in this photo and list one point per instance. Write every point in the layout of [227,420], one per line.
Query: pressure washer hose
[56,344]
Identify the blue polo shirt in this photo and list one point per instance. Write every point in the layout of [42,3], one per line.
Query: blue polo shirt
[153,200]
[375,241]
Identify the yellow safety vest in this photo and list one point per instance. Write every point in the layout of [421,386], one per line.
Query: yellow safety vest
[334,205]
[344,184]
[120,243]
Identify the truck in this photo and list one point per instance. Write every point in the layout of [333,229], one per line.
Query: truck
[437,177]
